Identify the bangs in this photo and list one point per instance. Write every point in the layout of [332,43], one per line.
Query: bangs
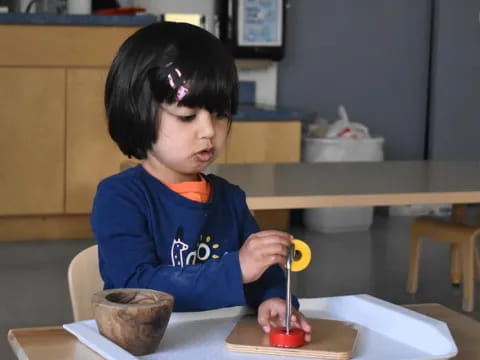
[212,81]
[213,92]
[213,89]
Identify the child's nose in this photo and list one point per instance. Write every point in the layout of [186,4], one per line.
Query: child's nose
[207,129]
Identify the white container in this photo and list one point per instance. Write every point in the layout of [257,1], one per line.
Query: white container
[421,210]
[331,220]
[203,7]
[385,331]
[79,7]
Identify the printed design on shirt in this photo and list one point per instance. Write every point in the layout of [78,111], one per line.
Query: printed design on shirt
[178,247]
[206,249]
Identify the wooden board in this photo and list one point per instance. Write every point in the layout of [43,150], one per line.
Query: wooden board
[331,339]
[46,343]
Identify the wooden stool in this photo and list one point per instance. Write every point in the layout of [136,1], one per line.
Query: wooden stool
[463,253]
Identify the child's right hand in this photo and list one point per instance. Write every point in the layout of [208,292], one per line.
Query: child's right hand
[261,250]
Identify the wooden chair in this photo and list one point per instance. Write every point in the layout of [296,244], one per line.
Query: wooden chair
[83,281]
[464,257]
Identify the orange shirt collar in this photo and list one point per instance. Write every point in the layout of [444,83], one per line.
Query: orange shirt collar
[193,190]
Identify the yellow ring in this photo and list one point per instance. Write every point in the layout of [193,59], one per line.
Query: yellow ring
[303,255]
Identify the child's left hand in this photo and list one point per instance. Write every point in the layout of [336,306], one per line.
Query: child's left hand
[271,313]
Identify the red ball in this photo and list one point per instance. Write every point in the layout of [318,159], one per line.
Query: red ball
[280,338]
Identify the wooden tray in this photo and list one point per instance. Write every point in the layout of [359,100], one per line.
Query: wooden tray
[331,339]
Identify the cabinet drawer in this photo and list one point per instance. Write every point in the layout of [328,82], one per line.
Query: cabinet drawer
[91,153]
[264,141]
[32,141]
[61,46]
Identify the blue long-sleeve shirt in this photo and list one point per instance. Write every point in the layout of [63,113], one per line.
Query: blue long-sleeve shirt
[151,237]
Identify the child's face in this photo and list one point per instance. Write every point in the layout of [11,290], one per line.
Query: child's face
[188,141]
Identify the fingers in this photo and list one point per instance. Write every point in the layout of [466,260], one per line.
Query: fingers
[272,249]
[266,317]
[299,321]
[271,314]
[277,320]
[264,246]
[272,254]
[278,315]
[270,233]
[308,337]
[264,322]
[304,324]
[261,242]
[260,251]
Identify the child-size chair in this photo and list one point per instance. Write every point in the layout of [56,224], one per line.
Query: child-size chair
[83,281]
[464,257]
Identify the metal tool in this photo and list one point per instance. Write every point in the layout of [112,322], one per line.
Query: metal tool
[298,258]
[290,258]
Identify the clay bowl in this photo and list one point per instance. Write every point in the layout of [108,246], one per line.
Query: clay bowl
[134,319]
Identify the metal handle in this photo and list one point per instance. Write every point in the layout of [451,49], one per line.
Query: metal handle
[290,257]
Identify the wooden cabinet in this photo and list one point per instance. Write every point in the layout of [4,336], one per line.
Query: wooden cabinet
[264,141]
[61,46]
[53,139]
[51,113]
[91,154]
[32,137]
[54,143]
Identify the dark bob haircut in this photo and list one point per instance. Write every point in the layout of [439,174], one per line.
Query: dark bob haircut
[138,81]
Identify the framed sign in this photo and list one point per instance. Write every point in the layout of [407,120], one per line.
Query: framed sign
[260,23]
[254,28]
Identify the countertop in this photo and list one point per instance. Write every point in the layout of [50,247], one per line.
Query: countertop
[267,113]
[92,20]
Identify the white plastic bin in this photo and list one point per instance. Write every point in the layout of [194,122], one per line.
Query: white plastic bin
[330,220]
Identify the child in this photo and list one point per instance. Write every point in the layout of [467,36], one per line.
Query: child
[170,95]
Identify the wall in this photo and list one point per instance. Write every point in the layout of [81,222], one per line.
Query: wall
[265,78]
[370,55]
[265,83]
[455,110]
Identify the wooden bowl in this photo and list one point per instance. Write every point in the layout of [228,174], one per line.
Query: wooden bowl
[134,319]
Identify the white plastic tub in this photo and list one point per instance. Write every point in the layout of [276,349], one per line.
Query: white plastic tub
[331,220]
[316,149]
[385,331]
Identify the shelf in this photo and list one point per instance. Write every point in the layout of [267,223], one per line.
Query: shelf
[251,64]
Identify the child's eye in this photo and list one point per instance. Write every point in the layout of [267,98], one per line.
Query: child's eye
[187,118]
[220,116]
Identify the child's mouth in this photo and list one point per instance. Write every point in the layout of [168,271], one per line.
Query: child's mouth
[204,155]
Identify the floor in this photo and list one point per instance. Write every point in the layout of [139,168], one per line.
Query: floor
[34,285]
